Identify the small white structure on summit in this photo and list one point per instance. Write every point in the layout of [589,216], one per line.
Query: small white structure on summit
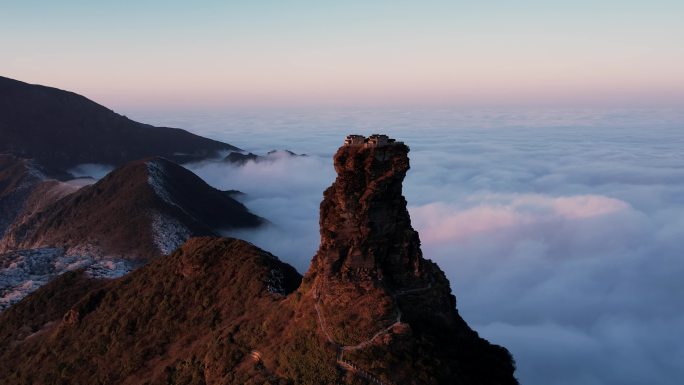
[375,140]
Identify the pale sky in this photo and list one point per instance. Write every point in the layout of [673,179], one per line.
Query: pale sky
[179,54]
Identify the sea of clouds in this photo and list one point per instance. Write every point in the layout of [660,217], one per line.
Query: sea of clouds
[562,232]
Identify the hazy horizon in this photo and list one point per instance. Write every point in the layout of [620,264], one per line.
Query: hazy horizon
[174,55]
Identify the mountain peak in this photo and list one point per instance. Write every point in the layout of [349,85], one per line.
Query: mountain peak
[369,258]
[366,231]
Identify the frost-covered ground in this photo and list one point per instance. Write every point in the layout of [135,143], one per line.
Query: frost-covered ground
[22,272]
[168,233]
[156,176]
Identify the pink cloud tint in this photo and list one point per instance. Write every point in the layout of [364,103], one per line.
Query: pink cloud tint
[438,222]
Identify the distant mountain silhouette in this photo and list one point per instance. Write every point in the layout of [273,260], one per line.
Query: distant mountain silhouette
[239,158]
[61,129]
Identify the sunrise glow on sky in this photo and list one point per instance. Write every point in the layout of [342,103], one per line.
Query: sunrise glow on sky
[169,54]
[546,167]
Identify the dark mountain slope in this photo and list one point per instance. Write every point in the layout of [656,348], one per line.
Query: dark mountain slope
[25,190]
[18,178]
[61,129]
[138,211]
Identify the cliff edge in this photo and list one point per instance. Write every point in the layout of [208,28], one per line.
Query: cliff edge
[375,294]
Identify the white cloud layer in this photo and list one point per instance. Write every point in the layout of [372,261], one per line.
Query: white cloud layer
[287,191]
[562,235]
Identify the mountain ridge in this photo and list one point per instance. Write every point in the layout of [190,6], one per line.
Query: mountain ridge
[61,129]
[143,195]
[138,212]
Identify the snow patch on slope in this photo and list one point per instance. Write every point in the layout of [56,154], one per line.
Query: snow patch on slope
[24,271]
[168,233]
[156,174]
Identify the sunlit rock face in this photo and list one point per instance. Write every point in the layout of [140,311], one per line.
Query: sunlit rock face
[368,250]
[365,229]
[369,278]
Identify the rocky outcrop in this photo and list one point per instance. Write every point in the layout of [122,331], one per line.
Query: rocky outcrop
[239,158]
[378,300]
[366,233]
[369,253]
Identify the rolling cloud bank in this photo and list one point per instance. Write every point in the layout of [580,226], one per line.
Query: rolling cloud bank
[562,236]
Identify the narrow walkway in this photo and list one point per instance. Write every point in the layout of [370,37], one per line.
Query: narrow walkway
[348,365]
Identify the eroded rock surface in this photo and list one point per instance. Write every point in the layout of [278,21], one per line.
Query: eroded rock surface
[369,259]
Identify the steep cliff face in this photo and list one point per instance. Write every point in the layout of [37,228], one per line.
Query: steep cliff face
[365,229]
[369,253]
[388,311]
